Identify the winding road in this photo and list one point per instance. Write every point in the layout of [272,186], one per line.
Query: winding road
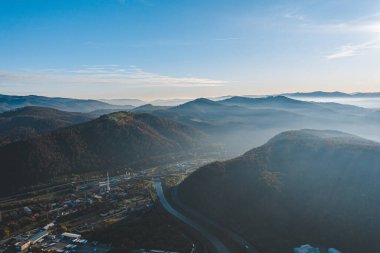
[238,240]
[218,245]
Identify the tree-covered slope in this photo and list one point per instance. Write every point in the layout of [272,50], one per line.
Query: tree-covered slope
[307,186]
[112,141]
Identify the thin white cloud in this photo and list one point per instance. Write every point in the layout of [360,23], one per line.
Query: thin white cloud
[293,15]
[104,75]
[345,27]
[364,24]
[352,50]
[368,25]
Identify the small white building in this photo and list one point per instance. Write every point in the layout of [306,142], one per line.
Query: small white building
[70,236]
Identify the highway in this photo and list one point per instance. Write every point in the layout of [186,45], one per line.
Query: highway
[218,245]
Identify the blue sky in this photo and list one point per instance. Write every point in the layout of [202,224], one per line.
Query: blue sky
[152,49]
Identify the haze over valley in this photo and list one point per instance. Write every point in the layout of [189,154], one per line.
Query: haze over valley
[146,126]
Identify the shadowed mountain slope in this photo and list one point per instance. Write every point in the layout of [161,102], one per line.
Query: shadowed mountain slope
[307,186]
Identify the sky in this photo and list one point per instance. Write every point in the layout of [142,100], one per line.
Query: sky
[161,49]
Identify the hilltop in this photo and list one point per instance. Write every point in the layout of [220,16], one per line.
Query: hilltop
[8,102]
[28,122]
[271,101]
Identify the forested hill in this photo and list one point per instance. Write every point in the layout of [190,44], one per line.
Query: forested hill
[31,121]
[307,186]
[112,141]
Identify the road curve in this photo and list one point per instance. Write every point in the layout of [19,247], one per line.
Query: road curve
[219,246]
[249,248]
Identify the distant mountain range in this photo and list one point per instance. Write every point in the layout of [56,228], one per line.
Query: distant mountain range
[243,122]
[306,186]
[169,102]
[335,94]
[66,104]
[138,102]
[113,141]
[27,122]
[8,102]
[124,101]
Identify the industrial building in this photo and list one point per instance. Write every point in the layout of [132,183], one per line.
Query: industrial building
[38,236]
